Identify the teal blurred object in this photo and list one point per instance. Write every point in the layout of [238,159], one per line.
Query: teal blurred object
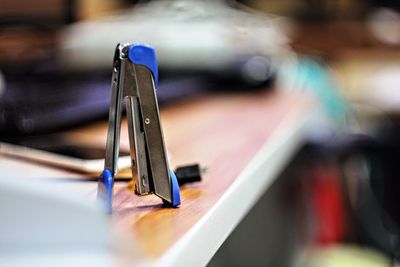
[308,74]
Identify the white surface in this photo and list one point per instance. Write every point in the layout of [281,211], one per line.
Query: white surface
[46,221]
[382,88]
[43,225]
[198,246]
[191,35]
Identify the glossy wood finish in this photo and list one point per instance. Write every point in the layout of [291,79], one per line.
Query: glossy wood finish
[222,132]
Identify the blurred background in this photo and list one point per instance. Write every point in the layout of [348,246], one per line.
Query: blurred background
[55,72]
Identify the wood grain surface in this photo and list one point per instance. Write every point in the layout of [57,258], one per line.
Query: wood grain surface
[221,132]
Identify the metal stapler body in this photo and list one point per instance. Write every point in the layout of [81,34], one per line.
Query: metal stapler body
[134,79]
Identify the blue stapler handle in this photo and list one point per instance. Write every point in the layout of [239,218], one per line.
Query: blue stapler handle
[106,184]
[105,189]
[145,55]
[176,195]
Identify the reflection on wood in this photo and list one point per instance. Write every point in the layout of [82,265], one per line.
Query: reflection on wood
[222,133]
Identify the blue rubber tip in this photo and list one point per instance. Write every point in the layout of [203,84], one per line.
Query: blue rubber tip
[145,55]
[176,195]
[105,189]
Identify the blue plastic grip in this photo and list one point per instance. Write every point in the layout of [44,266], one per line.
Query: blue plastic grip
[105,189]
[145,55]
[176,195]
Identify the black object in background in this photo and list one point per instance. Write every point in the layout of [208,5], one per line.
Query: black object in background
[48,100]
[188,174]
[371,163]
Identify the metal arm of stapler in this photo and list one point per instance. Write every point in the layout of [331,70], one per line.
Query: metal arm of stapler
[134,79]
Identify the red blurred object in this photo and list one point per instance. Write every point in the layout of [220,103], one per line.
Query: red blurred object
[328,204]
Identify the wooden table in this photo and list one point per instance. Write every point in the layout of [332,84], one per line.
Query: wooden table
[244,140]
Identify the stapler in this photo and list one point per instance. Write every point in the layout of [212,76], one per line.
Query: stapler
[134,80]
